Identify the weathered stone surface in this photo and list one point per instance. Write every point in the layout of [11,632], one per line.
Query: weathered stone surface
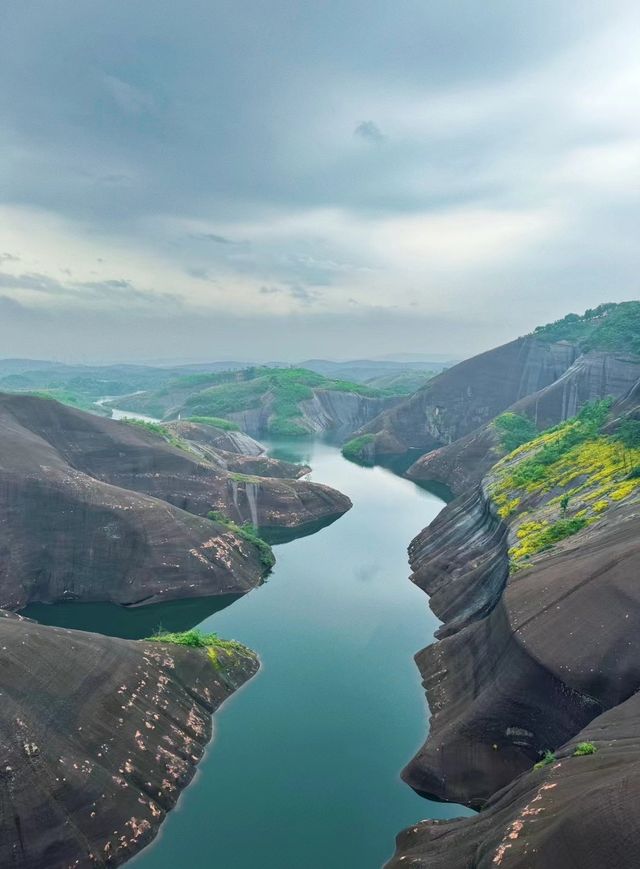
[216,439]
[93,509]
[592,376]
[527,663]
[576,813]
[98,737]
[470,394]
[204,441]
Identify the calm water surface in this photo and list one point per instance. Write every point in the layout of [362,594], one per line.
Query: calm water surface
[303,772]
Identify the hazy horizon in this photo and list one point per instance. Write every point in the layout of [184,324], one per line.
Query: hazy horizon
[276,181]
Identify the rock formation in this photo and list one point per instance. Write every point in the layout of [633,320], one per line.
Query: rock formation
[99,737]
[534,573]
[93,509]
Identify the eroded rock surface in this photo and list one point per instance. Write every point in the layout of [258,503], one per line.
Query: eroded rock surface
[534,659]
[576,813]
[99,736]
[93,509]
[592,376]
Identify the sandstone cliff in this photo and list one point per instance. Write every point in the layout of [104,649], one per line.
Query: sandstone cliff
[94,509]
[99,737]
[535,575]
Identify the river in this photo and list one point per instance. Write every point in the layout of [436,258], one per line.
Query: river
[303,771]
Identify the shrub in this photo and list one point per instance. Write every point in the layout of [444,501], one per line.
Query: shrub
[548,758]
[514,430]
[584,748]
[355,449]
[194,638]
[197,639]
[629,433]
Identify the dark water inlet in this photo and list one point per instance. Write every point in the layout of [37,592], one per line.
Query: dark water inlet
[304,767]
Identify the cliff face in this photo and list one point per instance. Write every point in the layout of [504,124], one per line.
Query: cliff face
[205,442]
[337,413]
[342,413]
[592,376]
[99,737]
[93,509]
[470,394]
[531,659]
[576,813]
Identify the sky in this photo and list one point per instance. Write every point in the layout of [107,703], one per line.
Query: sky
[270,179]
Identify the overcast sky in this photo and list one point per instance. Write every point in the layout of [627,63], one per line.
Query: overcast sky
[282,179]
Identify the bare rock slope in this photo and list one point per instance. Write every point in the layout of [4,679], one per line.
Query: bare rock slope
[99,736]
[534,572]
[94,509]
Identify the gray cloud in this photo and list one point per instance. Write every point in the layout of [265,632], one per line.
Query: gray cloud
[116,291]
[211,236]
[120,120]
[370,132]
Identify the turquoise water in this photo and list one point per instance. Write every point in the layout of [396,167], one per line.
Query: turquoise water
[303,771]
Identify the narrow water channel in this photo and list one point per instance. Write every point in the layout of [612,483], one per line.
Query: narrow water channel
[303,772]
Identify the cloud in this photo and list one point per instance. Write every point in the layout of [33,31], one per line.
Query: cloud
[494,169]
[111,292]
[211,236]
[370,132]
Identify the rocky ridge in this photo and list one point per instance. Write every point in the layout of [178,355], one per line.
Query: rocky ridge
[534,574]
[99,736]
[94,509]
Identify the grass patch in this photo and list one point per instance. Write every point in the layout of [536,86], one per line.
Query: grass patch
[197,639]
[548,758]
[564,480]
[216,422]
[584,748]
[354,450]
[514,430]
[157,428]
[542,537]
[248,533]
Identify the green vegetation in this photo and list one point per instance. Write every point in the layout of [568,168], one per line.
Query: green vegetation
[550,534]
[64,396]
[548,758]
[250,534]
[278,390]
[584,748]
[354,450]
[560,439]
[196,639]
[157,429]
[608,327]
[216,422]
[629,433]
[564,480]
[514,430]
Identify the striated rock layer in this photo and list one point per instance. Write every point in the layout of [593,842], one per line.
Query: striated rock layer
[99,736]
[92,509]
[576,813]
[533,662]
[592,376]
[467,396]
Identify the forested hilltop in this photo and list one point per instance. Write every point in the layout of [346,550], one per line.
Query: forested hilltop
[267,401]
[612,326]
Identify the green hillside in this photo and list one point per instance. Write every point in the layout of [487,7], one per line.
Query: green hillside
[608,327]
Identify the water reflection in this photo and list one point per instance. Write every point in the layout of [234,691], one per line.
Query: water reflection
[130,623]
